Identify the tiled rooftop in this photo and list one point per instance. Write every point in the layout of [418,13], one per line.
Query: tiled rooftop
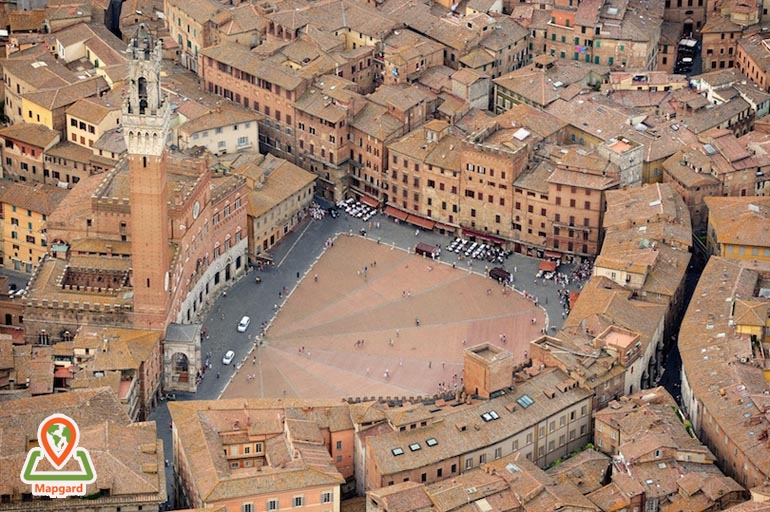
[200,426]
[740,220]
[272,181]
[452,443]
[38,198]
[711,348]
[35,135]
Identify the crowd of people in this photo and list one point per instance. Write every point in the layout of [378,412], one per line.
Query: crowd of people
[583,271]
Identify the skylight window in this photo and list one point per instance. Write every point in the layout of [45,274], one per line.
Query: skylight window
[486,417]
[397,451]
[431,441]
[525,401]
[494,415]
[415,446]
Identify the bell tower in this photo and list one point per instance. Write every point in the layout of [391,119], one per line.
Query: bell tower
[145,123]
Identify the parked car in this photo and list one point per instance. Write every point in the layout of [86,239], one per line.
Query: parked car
[228,357]
[244,324]
[500,275]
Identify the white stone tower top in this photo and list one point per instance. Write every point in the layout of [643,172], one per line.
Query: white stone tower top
[145,113]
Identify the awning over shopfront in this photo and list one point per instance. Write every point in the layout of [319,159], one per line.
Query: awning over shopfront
[548,266]
[445,227]
[419,221]
[370,201]
[398,214]
[488,238]
[552,254]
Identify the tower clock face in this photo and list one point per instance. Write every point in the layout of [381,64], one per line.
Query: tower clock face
[196,209]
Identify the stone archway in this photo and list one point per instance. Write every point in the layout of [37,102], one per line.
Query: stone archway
[182,357]
[180,366]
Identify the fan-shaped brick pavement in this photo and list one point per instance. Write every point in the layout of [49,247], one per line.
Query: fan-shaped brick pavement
[376,293]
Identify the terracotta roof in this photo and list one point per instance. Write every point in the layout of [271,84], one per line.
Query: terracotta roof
[646,421]
[740,220]
[711,346]
[375,120]
[685,175]
[75,206]
[535,179]
[200,426]
[111,141]
[38,197]
[437,79]
[241,58]
[593,114]
[707,118]
[26,20]
[536,84]
[531,118]
[105,433]
[586,470]
[125,349]
[199,10]
[611,498]
[402,497]
[272,182]
[401,96]
[70,151]
[87,408]
[641,206]
[218,118]
[477,58]
[33,134]
[39,71]
[452,442]
[59,97]
[74,34]
[583,180]
[6,353]
[68,11]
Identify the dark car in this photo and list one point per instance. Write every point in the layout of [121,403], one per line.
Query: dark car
[500,275]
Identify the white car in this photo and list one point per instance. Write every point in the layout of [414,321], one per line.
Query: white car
[228,357]
[244,324]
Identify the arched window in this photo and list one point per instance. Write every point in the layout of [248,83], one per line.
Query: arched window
[142,94]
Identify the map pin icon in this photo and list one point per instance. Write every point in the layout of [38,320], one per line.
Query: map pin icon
[58,435]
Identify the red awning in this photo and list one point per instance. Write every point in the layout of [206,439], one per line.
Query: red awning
[370,201]
[547,266]
[488,238]
[398,214]
[419,221]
